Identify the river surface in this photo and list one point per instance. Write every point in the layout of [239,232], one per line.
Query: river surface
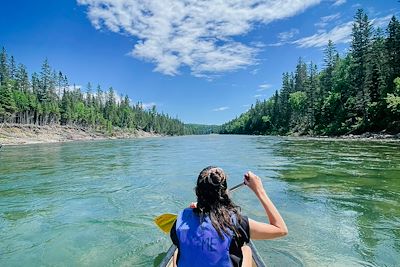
[93,203]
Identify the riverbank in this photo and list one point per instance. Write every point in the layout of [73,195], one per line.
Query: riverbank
[17,134]
[363,137]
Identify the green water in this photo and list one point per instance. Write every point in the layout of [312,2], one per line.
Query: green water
[92,203]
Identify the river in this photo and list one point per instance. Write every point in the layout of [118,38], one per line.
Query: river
[92,203]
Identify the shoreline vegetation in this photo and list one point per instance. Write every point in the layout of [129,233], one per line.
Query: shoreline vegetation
[354,94]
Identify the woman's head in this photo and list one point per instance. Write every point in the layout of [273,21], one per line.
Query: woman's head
[213,199]
[211,187]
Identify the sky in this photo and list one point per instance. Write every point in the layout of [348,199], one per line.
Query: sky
[203,62]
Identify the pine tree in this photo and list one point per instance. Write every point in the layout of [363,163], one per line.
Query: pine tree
[361,39]
[300,76]
[376,77]
[13,68]
[312,92]
[7,102]
[393,51]
[22,79]
[45,82]
[284,103]
[4,69]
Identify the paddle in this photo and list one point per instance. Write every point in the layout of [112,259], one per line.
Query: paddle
[166,221]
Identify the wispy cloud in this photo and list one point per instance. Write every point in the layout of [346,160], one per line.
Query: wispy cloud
[324,20]
[148,105]
[284,37]
[382,22]
[263,87]
[197,34]
[339,34]
[339,2]
[221,109]
[255,71]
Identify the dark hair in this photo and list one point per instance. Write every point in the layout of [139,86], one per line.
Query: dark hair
[213,200]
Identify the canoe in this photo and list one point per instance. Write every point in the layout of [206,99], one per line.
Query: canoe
[257,261]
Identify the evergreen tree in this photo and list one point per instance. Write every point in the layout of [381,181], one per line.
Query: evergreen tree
[376,77]
[360,48]
[7,102]
[4,69]
[393,51]
[284,108]
[300,76]
[312,92]
[13,68]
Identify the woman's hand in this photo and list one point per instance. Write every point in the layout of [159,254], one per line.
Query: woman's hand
[253,182]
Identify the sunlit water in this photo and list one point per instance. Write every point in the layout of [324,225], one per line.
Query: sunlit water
[93,203]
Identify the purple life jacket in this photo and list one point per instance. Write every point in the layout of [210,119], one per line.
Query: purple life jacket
[199,242]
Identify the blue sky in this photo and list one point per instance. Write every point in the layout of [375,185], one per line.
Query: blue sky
[202,61]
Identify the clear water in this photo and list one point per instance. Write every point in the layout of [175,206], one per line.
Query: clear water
[93,203]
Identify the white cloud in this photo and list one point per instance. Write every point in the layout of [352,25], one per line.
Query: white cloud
[263,87]
[257,96]
[339,34]
[339,2]
[382,22]
[255,71]
[324,20]
[70,88]
[147,105]
[221,109]
[197,34]
[284,36]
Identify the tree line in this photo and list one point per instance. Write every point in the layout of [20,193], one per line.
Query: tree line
[353,94]
[47,98]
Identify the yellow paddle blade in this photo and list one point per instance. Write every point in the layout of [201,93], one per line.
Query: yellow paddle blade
[165,221]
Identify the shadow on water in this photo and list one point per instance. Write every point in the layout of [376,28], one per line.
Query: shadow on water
[158,259]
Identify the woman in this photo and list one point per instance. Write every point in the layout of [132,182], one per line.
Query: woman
[213,232]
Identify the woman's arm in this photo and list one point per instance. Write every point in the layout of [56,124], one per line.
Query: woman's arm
[276,227]
[175,258]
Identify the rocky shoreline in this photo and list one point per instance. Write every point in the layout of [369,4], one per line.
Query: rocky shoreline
[20,134]
[363,137]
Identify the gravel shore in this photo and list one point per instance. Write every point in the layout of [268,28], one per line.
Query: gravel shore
[17,134]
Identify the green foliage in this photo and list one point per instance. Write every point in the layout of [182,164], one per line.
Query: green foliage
[297,101]
[393,103]
[48,99]
[352,94]
[393,100]
[202,129]
[7,103]
[397,86]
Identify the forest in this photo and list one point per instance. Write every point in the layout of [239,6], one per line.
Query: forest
[354,93]
[47,98]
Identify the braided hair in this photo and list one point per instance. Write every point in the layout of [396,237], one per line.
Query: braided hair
[213,201]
